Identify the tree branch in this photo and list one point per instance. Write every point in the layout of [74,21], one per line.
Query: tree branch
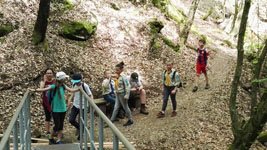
[255,85]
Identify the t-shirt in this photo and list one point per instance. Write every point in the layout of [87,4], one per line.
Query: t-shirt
[202,56]
[45,100]
[76,101]
[110,88]
[58,104]
[133,83]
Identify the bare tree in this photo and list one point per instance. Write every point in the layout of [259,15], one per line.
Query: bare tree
[246,132]
[191,15]
[41,22]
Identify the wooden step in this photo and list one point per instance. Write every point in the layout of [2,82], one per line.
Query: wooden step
[57,147]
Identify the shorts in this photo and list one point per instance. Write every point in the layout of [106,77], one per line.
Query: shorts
[201,69]
[48,115]
[58,120]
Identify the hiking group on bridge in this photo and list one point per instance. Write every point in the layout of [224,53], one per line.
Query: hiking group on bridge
[117,89]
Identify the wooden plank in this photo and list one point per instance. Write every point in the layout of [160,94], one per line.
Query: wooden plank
[57,147]
[36,139]
[100,101]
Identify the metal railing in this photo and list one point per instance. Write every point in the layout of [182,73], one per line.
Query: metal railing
[85,133]
[21,121]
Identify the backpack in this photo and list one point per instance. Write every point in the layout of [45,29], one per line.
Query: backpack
[173,78]
[50,94]
[82,86]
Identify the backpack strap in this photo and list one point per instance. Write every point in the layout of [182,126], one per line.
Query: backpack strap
[173,75]
[84,88]
[164,75]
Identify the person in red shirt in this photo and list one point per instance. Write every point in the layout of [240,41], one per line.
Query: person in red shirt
[202,61]
[47,81]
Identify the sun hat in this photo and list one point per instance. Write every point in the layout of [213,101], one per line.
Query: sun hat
[61,75]
[76,78]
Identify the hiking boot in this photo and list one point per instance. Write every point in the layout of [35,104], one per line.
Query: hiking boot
[59,142]
[52,141]
[174,113]
[195,89]
[143,110]
[160,115]
[128,123]
[207,86]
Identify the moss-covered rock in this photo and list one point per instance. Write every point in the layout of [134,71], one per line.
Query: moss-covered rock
[155,26]
[161,4]
[155,47]
[168,42]
[79,31]
[5,29]
[114,6]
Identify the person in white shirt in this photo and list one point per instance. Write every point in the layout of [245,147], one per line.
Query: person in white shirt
[137,89]
[75,110]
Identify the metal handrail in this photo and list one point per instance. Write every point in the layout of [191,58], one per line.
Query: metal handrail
[117,135]
[23,115]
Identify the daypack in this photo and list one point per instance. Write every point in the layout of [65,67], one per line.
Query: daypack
[173,78]
[50,94]
[82,86]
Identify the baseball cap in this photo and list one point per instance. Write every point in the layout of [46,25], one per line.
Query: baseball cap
[61,75]
[76,78]
[134,76]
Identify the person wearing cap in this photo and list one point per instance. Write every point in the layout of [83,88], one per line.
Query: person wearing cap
[75,99]
[58,105]
[138,89]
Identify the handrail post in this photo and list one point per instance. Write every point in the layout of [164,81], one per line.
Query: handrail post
[28,112]
[85,125]
[91,127]
[81,123]
[21,130]
[101,133]
[7,147]
[115,142]
[15,131]
[25,125]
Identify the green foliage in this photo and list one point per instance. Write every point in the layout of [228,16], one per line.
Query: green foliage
[83,43]
[114,6]
[36,38]
[171,44]
[80,31]
[5,29]
[155,26]
[67,5]
[203,37]
[259,81]
[262,137]
[205,17]
[2,40]
[161,4]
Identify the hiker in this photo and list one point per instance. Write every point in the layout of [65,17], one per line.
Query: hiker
[75,99]
[138,89]
[122,90]
[58,104]
[108,89]
[47,81]
[170,86]
[202,60]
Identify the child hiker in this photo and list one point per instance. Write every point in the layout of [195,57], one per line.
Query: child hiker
[108,89]
[202,61]
[75,97]
[122,90]
[47,81]
[169,88]
[58,105]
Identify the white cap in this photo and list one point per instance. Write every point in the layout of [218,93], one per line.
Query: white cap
[61,75]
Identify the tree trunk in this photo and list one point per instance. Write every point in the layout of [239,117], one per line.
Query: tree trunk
[41,22]
[232,104]
[235,15]
[255,85]
[189,22]
[252,128]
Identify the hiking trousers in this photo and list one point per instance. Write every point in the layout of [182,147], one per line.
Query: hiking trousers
[120,101]
[166,94]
